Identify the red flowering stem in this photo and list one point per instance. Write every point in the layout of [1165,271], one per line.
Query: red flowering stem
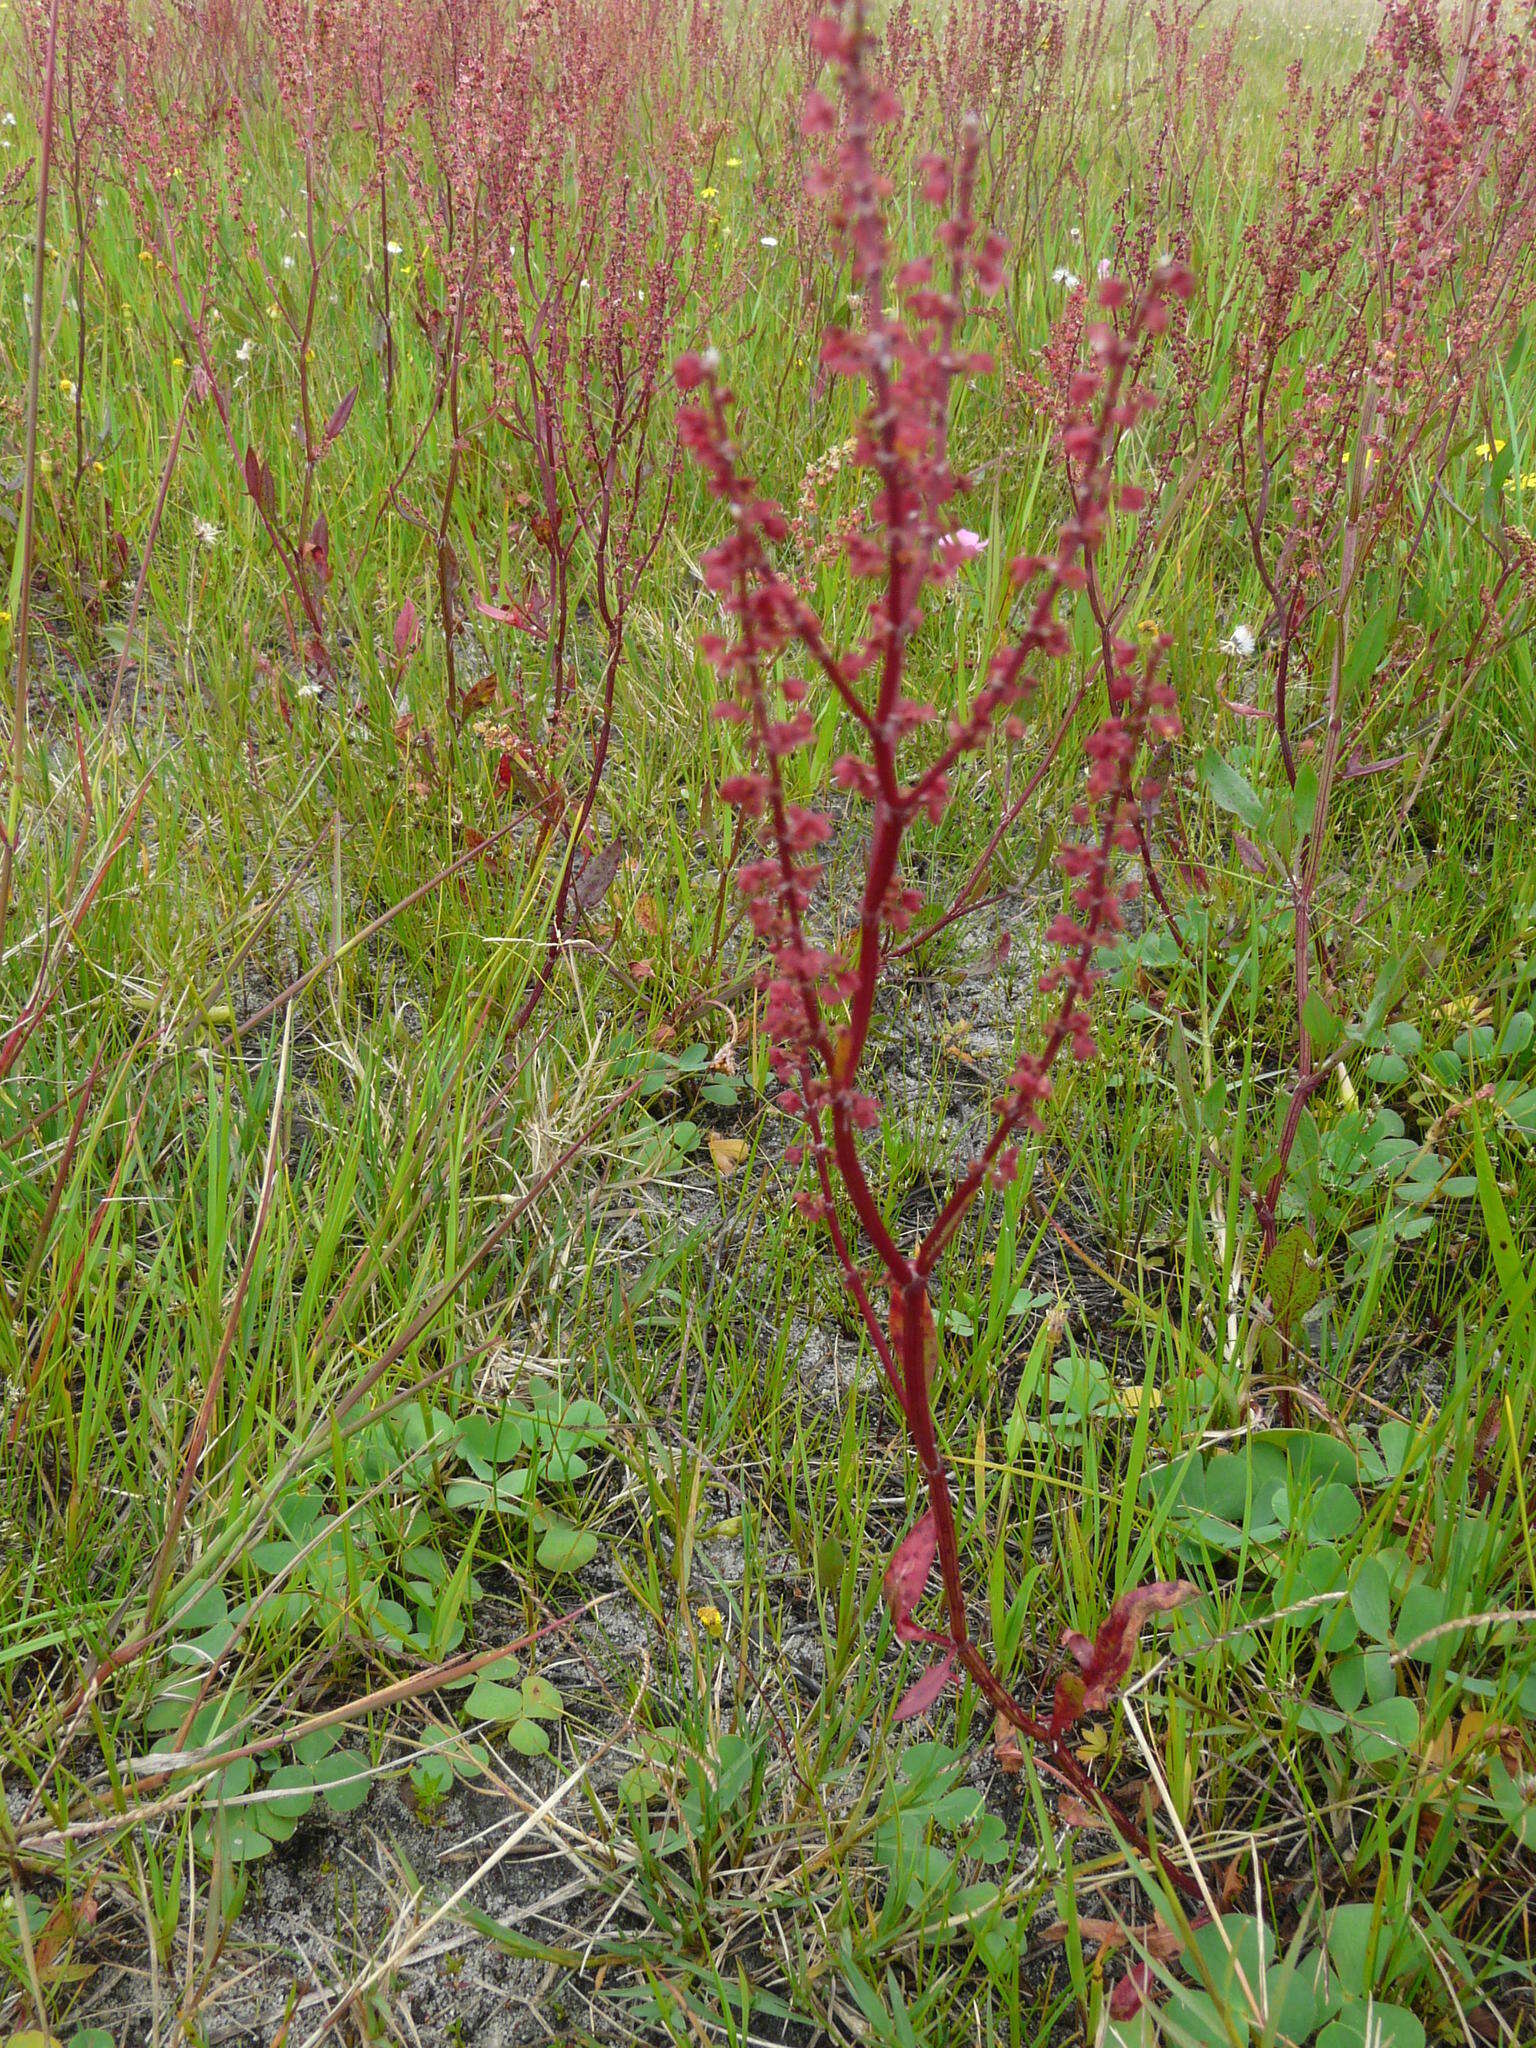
[907,360]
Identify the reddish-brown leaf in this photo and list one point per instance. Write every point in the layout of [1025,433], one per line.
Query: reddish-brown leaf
[906,1576]
[1132,1992]
[1006,1753]
[925,1691]
[338,419]
[1104,1662]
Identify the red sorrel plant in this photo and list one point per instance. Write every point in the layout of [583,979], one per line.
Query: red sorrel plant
[908,355]
[375,58]
[182,162]
[476,103]
[91,39]
[1399,260]
[590,288]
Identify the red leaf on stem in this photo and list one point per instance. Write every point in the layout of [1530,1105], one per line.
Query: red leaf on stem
[906,1577]
[258,481]
[338,419]
[1132,1992]
[407,630]
[1104,1663]
[925,1691]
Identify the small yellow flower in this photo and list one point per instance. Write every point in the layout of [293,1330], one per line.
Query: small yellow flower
[67,386]
[710,1620]
[1488,450]
[5,617]
[733,163]
[274,311]
[178,362]
[99,468]
[1149,629]
[708,192]
[309,355]
[146,255]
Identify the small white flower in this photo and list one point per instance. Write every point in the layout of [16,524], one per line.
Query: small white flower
[1076,234]
[1070,278]
[768,241]
[1240,642]
[206,531]
[245,351]
[308,689]
[394,248]
[7,119]
[287,263]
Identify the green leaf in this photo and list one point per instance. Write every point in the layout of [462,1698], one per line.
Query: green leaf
[1346,1681]
[295,1783]
[1240,1944]
[565,1549]
[1367,648]
[1401,1447]
[493,1440]
[432,1779]
[1231,792]
[1195,2021]
[1357,1936]
[1519,1029]
[1331,1514]
[1385,1732]
[239,1838]
[490,1700]
[1302,1994]
[541,1701]
[527,1738]
[1423,1608]
[1322,1026]
[343,1779]
[1373,2026]
[320,1742]
[734,1776]
[1371,1597]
